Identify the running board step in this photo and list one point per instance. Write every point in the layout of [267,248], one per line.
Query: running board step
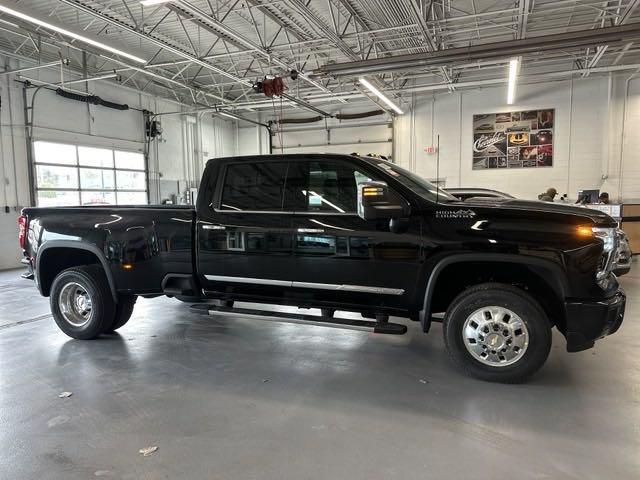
[377,327]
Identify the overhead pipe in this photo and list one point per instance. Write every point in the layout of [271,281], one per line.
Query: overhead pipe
[68,82]
[36,67]
[511,48]
[224,113]
[39,83]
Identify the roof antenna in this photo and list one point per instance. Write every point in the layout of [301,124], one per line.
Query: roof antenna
[438,170]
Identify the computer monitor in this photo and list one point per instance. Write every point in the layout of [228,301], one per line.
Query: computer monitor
[588,196]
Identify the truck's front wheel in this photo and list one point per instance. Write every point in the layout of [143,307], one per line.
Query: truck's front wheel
[81,302]
[497,332]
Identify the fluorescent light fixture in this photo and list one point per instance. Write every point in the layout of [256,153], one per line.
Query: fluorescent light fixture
[150,3]
[380,95]
[62,31]
[513,74]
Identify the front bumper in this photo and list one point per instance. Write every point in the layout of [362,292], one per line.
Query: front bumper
[589,320]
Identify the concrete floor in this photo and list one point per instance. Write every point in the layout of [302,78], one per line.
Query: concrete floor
[233,398]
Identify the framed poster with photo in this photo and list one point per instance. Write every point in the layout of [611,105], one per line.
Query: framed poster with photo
[513,139]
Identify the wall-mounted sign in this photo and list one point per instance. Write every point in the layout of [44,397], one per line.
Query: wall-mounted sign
[513,139]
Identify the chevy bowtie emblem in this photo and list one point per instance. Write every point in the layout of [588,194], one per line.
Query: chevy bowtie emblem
[455,214]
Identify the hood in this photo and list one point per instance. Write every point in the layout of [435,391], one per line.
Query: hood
[542,208]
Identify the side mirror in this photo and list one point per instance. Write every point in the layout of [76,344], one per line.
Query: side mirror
[374,202]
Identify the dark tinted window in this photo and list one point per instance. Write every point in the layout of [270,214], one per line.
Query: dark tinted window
[323,186]
[254,186]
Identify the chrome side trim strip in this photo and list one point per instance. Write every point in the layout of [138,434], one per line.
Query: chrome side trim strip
[257,281]
[287,212]
[317,286]
[349,288]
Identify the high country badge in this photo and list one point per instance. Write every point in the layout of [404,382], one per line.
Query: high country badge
[455,214]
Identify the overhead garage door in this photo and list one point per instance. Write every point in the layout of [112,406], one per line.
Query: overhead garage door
[69,174]
[364,139]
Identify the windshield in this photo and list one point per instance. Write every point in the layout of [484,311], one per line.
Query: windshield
[416,183]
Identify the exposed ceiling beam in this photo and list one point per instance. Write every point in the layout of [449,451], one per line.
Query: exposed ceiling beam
[428,39]
[524,8]
[59,43]
[322,28]
[176,50]
[151,39]
[621,20]
[183,7]
[533,45]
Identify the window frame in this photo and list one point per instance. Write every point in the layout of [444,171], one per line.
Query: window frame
[79,190]
[216,203]
[339,164]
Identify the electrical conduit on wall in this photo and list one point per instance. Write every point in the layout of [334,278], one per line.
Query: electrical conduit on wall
[3,178]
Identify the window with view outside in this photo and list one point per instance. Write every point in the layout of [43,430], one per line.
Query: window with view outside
[71,175]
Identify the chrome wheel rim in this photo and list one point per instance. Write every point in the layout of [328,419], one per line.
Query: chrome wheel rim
[495,336]
[75,304]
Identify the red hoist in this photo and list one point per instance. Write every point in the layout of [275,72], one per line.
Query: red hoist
[273,86]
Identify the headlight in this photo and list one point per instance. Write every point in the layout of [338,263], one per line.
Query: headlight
[610,239]
[608,236]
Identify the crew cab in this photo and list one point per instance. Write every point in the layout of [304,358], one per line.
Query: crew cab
[341,232]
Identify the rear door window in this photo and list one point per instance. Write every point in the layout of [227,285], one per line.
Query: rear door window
[254,186]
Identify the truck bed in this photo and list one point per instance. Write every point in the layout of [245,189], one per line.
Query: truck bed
[139,245]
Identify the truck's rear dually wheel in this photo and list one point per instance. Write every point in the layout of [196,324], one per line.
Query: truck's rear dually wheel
[81,302]
[497,332]
[123,312]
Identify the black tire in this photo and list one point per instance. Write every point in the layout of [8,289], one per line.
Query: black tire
[92,280]
[124,310]
[328,312]
[190,300]
[537,325]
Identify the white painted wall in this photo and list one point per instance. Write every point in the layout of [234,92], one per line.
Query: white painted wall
[587,137]
[252,139]
[591,140]
[63,120]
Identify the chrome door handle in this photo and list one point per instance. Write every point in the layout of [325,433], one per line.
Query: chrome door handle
[214,227]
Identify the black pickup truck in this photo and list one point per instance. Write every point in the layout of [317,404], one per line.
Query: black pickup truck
[341,232]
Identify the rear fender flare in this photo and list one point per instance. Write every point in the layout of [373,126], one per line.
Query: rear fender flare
[71,244]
